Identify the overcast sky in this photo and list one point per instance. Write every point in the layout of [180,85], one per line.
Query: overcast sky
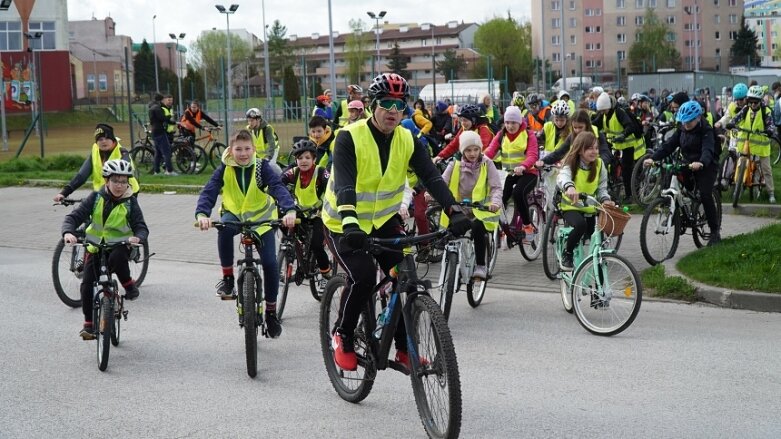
[302,17]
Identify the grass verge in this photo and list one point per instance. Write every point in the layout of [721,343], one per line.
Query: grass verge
[670,287]
[743,262]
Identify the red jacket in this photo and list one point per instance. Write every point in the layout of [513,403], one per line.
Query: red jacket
[485,135]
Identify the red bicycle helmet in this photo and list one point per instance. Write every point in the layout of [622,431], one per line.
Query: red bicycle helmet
[389,85]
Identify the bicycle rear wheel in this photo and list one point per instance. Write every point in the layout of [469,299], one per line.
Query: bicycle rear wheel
[550,264]
[317,282]
[740,178]
[775,151]
[139,262]
[67,267]
[215,154]
[352,386]
[607,297]
[286,266]
[701,231]
[184,157]
[201,160]
[250,310]
[646,183]
[435,378]
[726,177]
[494,240]
[104,322]
[531,250]
[566,295]
[143,159]
[660,231]
[449,286]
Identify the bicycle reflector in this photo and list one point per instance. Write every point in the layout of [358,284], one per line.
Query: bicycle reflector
[246,240]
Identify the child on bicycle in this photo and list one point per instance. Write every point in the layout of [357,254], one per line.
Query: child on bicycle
[322,136]
[556,131]
[582,173]
[251,190]
[476,179]
[471,118]
[115,216]
[106,147]
[308,186]
[263,136]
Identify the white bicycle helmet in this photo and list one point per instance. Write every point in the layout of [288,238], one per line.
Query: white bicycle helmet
[755,92]
[253,113]
[560,109]
[117,167]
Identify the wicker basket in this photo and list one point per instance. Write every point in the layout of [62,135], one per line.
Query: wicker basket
[612,220]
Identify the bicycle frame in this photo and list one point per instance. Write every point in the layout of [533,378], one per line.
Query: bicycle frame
[464,248]
[248,267]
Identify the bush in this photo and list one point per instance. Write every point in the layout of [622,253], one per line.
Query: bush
[60,162]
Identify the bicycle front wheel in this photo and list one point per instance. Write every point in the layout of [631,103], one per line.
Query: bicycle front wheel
[660,231]
[701,231]
[606,294]
[286,269]
[646,184]
[435,378]
[494,240]
[104,322]
[67,271]
[143,159]
[352,386]
[139,262]
[550,263]
[249,308]
[449,286]
[531,249]
[566,295]
[184,157]
[201,160]
[775,151]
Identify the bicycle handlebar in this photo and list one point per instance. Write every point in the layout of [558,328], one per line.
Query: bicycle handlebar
[68,202]
[274,223]
[375,245]
[474,205]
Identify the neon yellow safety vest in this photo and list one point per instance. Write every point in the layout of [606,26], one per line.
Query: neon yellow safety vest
[514,153]
[758,144]
[732,109]
[378,195]
[345,113]
[97,168]
[255,205]
[412,177]
[480,194]
[111,230]
[170,128]
[571,104]
[583,186]
[614,128]
[551,142]
[260,141]
[307,196]
[489,113]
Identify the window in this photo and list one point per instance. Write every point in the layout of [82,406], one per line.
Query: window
[621,38]
[638,35]
[591,47]
[733,19]
[620,21]
[733,3]
[620,4]
[670,37]
[593,29]
[556,56]
[733,35]
[556,40]
[671,19]
[690,26]
[10,35]
[90,82]
[652,4]
[718,35]
[716,3]
[572,5]
[639,20]
[621,54]
[639,4]
[670,4]
[572,40]
[555,5]
[717,19]
[556,23]
[573,22]
[46,28]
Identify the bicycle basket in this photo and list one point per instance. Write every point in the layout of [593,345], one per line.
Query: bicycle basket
[612,220]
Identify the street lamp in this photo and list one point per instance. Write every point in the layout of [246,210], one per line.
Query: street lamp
[228,12]
[433,61]
[376,18]
[154,52]
[178,68]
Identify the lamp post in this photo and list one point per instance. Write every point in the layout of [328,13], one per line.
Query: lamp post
[266,66]
[36,81]
[433,62]
[332,74]
[154,53]
[376,18]
[228,12]
[178,68]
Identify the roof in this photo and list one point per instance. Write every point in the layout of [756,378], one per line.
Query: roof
[386,34]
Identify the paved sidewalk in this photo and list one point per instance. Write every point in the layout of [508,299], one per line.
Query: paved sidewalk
[31,221]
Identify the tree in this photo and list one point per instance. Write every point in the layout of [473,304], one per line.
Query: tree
[745,49]
[451,65]
[209,50]
[355,51]
[279,55]
[192,85]
[653,49]
[397,62]
[292,92]
[144,69]
[508,44]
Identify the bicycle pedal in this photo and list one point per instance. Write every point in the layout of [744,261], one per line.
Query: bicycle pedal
[124,315]
[398,367]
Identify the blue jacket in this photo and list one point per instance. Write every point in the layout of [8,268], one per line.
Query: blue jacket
[777,112]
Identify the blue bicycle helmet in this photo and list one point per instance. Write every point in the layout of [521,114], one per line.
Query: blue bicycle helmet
[739,91]
[688,112]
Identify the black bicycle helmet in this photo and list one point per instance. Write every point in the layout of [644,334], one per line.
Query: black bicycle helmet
[303,146]
[389,85]
[470,111]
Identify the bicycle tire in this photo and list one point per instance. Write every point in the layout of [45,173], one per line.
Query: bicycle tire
[655,217]
[775,151]
[739,180]
[475,291]
[104,319]
[611,314]
[440,412]
[285,265]
[494,240]
[532,250]
[757,182]
[646,184]
[116,329]
[183,157]
[701,231]
[315,281]
[143,159]
[566,295]
[550,263]
[201,160]
[215,154]
[726,176]
[449,286]
[67,266]
[351,386]
[250,312]
[139,262]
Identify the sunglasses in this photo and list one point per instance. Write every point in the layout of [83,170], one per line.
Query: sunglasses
[753,103]
[392,104]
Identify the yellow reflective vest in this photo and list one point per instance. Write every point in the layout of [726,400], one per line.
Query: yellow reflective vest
[97,168]
[481,193]
[111,230]
[306,197]
[758,144]
[255,205]
[514,152]
[170,128]
[583,186]
[614,128]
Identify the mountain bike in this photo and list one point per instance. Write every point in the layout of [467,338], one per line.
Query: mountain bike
[434,375]
[512,227]
[249,285]
[186,158]
[68,264]
[667,218]
[648,182]
[297,262]
[604,289]
[748,172]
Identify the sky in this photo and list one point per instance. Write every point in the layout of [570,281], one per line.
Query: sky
[302,17]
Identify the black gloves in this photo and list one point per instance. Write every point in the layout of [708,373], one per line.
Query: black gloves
[353,237]
[730,126]
[459,223]
[619,138]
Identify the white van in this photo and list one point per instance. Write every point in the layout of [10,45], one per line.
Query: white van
[573,83]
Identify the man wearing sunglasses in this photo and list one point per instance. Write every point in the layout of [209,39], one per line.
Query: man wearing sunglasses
[363,197]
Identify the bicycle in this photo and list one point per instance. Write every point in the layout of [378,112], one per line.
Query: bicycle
[188,159]
[249,285]
[604,289]
[214,148]
[648,182]
[68,264]
[458,263]
[748,173]
[669,216]
[434,375]
[513,229]
[297,262]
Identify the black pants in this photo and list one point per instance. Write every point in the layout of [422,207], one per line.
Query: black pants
[479,236]
[317,246]
[362,277]
[518,187]
[582,225]
[118,264]
[705,179]
[627,166]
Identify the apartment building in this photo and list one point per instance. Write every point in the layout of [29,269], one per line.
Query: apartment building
[764,18]
[599,33]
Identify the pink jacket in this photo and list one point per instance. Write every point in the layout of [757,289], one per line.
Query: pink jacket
[468,179]
[532,150]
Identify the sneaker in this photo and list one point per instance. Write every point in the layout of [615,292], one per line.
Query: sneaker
[402,357]
[225,288]
[344,352]
[715,238]
[480,272]
[529,233]
[566,261]
[772,199]
[273,327]
[131,292]
[171,173]
[87,332]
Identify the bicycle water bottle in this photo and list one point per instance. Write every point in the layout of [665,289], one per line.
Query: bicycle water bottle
[382,319]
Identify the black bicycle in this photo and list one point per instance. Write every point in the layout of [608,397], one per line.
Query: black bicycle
[297,262]
[434,375]
[249,304]
[188,159]
[68,264]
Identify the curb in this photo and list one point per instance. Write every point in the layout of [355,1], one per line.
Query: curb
[729,298]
